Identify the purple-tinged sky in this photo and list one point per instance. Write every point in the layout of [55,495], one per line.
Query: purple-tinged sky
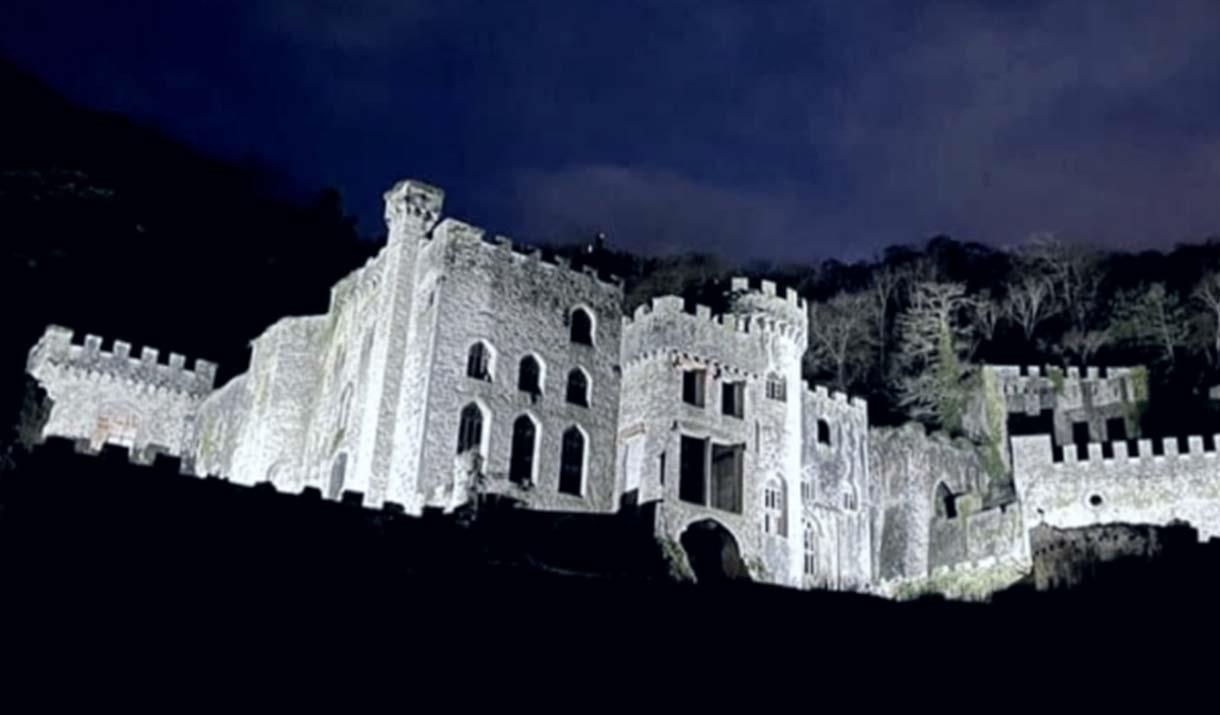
[757,130]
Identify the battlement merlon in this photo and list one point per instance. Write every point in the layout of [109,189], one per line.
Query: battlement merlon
[412,201]
[55,348]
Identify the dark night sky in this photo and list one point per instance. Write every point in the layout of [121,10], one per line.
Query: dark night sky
[755,129]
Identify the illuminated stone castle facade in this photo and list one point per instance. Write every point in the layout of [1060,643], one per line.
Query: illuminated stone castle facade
[456,363]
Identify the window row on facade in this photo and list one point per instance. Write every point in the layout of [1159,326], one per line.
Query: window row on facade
[530,375]
[523,460]
[732,392]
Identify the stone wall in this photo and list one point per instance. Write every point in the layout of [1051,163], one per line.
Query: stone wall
[923,535]
[109,397]
[518,304]
[1094,395]
[1156,483]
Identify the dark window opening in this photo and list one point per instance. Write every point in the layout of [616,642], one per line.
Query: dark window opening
[1116,429]
[572,462]
[693,384]
[692,465]
[529,376]
[946,504]
[582,327]
[478,362]
[578,388]
[733,399]
[727,469]
[470,428]
[662,468]
[823,432]
[521,466]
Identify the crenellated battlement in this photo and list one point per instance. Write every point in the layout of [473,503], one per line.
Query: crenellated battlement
[672,307]
[56,348]
[520,254]
[821,392]
[1092,372]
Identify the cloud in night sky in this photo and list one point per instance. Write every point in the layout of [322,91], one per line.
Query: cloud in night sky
[756,130]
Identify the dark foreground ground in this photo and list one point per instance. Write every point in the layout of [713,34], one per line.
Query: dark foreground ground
[102,560]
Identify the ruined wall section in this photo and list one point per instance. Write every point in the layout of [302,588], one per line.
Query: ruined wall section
[110,397]
[926,542]
[1156,483]
[762,339]
[1094,395]
[840,502]
[518,303]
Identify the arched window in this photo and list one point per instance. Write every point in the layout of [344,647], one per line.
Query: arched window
[823,432]
[777,389]
[529,375]
[809,552]
[572,462]
[470,429]
[578,388]
[946,507]
[582,327]
[478,362]
[521,467]
[774,508]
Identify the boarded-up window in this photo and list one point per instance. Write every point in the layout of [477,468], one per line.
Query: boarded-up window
[726,482]
[633,462]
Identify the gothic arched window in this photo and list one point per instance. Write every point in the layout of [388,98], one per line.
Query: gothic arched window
[521,467]
[572,462]
[478,362]
[470,429]
[529,375]
[578,388]
[582,327]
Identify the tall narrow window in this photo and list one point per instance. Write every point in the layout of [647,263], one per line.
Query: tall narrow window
[572,462]
[693,384]
[529,376]
[733,399]
[578,388]
[478,362]
[777,389]
[693,457]
[470,429]
[727,472]
[809,552]
[521,468]
[773,508]
[582,327]
[946,506]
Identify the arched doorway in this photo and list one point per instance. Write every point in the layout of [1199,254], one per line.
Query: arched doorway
[713,553]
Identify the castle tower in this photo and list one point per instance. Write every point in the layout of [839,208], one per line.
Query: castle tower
[710,426]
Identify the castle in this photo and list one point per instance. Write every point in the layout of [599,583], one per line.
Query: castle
[455,363]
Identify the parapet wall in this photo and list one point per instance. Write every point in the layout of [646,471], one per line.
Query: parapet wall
[1032,388]
[56,349]
[1155,483]
[519,254]
[666,323]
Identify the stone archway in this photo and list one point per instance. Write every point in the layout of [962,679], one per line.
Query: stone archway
[713,553]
